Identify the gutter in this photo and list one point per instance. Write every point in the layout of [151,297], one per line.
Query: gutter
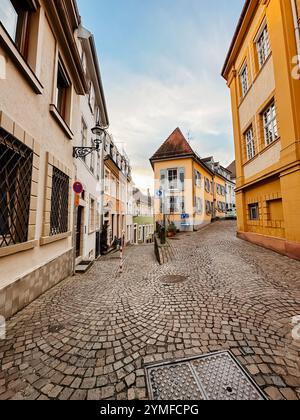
[296,27]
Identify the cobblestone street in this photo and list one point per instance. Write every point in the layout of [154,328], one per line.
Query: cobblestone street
[90,337]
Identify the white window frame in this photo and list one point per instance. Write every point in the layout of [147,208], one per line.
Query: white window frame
[244,78]
[250,143]
[173,182]
[270,124]
[198,179]
[263,44]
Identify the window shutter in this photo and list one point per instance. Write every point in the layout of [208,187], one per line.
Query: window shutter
[163,178]
[181,178]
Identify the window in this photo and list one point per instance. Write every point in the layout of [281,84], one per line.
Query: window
[199,205]
[15,190]
[177,205]
[250,146]
[62,90]
[198,178]
[263,46]
[244,80]
[106,182]
[207,185]
[113,190]
[173,179]
[270,124]
[83,136]
[92,98]
[92,216]
[59,203]
[14,15]
[208,207]
[254,211]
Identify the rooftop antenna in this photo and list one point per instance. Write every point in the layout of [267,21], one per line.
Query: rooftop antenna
[189,136]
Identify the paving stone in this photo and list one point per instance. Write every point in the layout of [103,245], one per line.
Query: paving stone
[108,392]
[238,297]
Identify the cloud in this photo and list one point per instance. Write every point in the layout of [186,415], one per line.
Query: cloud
[179,86]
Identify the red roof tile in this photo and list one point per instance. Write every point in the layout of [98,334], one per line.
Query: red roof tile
[175,145]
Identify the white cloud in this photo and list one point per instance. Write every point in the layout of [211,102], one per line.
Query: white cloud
[145,107]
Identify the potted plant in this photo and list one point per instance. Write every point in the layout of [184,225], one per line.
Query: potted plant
[172,230]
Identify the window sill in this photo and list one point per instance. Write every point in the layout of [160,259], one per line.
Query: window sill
[20,62]
[59,119]
[262,151]
[15,249]
[259,71]
[51,239]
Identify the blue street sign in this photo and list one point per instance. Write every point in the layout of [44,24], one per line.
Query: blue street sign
[185,216]
[159,193]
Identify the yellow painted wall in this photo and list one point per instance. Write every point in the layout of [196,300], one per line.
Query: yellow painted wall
[219,197]
[204,218]
[190,191]
[273,176]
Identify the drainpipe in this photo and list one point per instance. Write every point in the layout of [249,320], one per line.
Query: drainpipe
[296,27]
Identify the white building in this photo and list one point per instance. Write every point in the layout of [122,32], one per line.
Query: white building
[90,169]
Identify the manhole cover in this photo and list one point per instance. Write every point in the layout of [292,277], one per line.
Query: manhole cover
[55,328]
[172,279]
[215,377]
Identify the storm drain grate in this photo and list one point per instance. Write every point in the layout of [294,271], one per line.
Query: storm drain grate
[173,279]
[216,377]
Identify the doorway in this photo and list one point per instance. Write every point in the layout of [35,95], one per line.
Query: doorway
[78,231]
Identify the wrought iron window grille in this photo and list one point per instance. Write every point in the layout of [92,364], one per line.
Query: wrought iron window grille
[59,219]
[16,160]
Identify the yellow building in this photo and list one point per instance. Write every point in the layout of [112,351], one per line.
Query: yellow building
[184,185]
[263,76]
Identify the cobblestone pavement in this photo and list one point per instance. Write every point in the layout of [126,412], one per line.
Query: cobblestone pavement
[89,337]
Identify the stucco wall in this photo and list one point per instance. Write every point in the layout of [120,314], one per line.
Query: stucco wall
[31,112]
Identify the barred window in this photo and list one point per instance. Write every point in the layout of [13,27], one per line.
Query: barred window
[15,190]
[59,203]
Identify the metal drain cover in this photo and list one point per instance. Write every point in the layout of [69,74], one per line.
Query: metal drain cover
[216,377]
[55,328]
[173,279]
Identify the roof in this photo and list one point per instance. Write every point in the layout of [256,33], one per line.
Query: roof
[232,168]
[175,146]
[236,35]
[208,159]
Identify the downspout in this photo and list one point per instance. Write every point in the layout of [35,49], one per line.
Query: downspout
[296,27]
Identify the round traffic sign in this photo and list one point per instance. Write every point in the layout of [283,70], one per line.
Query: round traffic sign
[78,187]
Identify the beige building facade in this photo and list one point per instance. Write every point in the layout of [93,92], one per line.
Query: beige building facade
[42,79]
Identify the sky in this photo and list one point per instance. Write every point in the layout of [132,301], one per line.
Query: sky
[160,63]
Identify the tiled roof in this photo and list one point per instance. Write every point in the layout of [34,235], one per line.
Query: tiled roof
[232,169]
[175,145]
